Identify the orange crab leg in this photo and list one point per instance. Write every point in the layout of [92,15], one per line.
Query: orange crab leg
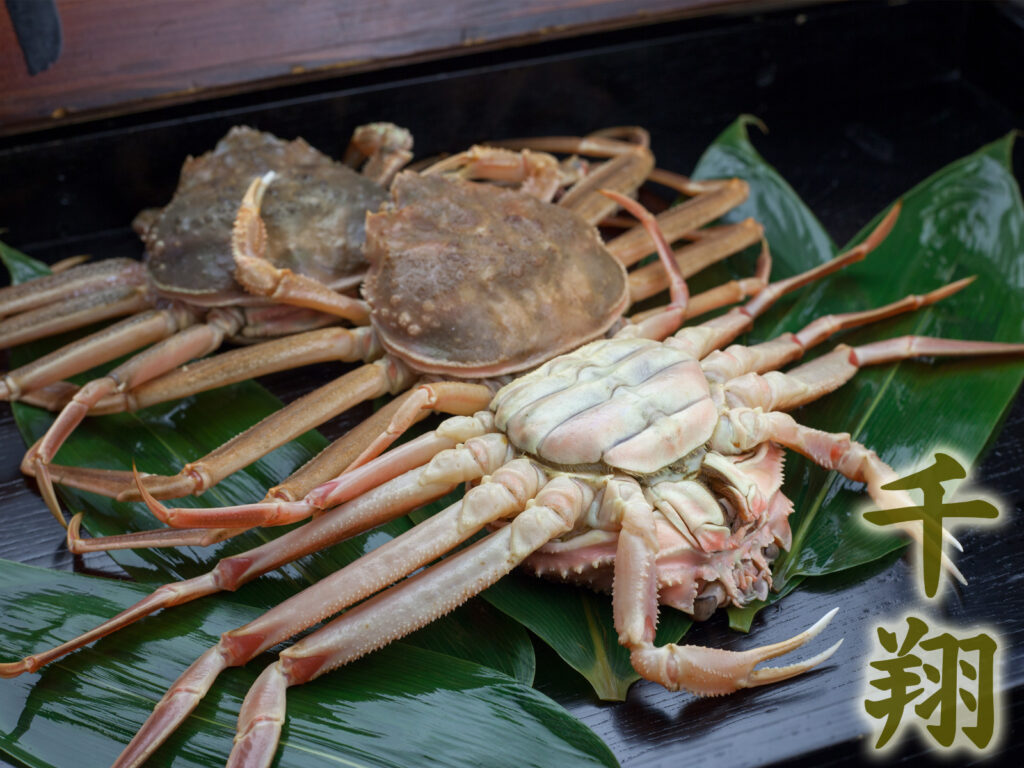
[722,365]
[66,284]
[383,503]
[280,427]
[401,609]
[107,344]
[330,462]
[701,340]
[719,243]
[703,671]
[679,220]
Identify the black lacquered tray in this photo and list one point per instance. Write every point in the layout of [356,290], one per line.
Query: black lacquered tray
[862,102]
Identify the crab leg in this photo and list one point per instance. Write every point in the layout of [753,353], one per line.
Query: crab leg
[385,147]
[66,284]
[701,340]
[280,427]
[677,221]
[693,257]
[608,142]
[76,312]
[401,609]
[330,462]
[784,391]
[244,363]
[325,467]
[261,278]
[702,671]
[722,365]
[626,172]
[342,488]
[381,504]
[537,173]
[107,344]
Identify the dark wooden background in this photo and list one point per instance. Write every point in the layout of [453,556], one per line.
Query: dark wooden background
[123,55]
[863,101]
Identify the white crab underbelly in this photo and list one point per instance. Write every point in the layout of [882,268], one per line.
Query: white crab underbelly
[634,405]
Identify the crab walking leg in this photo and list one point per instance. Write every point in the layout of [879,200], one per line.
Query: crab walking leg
[608,142]
[282,426]
[261,278]
[702,671]
[244,363]
[537,173]
[346,486]
[692,258]
[677,221]
[456,397]
[325,472]
[774,390]
[385,502]
[192,342]
[401,609]
[107,344]
[623,172]
[329,463]
[701,340]
[511,487]
[69,283]
[74,313]
[722,365]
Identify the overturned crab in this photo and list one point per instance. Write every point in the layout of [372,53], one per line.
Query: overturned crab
[463,276]
[184,298]
[656,460]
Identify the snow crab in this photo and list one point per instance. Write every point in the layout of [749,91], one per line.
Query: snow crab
[649,463]
[184,298]
[460,273]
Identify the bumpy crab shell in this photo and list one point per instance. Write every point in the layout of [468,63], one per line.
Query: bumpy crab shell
[452,260]
[314,213]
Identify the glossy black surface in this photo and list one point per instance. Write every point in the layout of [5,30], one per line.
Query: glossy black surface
[862,101]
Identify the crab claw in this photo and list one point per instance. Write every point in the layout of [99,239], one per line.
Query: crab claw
[715,672]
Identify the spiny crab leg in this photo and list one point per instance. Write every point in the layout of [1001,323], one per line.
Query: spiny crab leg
[329,463]
[344,487]
[402,609]
[384,502]
[757,400]
[703,671]
[71,299]
[701,340]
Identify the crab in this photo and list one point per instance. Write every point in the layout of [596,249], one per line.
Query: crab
[184,298]
[462,274]
[648,463]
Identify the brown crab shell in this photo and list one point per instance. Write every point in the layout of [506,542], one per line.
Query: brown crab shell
[474,280]
[314,212]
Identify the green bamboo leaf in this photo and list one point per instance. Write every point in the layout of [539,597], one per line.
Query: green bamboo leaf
[578,626]
[966,219]
[400,706]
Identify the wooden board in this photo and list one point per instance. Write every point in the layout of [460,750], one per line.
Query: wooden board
[122,55]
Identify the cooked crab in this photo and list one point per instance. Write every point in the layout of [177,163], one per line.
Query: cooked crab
[463,276]
[183,298]
[659,460]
